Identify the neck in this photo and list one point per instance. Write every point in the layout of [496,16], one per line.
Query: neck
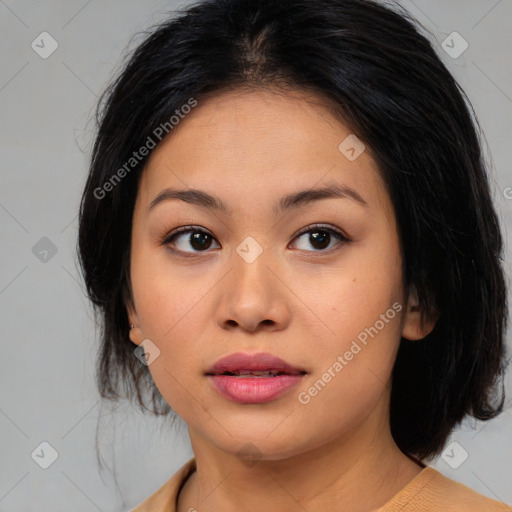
[359,471]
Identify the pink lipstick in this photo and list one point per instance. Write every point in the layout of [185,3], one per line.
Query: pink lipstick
[253,378]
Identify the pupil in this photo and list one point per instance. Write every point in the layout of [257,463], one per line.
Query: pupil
[320,237]
[202,239]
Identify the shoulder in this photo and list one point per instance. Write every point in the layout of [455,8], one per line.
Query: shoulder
[433,492]
[164,499]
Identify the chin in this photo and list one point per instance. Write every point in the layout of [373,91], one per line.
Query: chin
[261,447]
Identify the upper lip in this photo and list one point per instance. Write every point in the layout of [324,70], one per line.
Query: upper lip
[261,361]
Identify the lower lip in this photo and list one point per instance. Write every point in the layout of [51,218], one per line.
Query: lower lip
[254,390]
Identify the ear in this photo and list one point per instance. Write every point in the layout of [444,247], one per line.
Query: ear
[133,319]
[413,328]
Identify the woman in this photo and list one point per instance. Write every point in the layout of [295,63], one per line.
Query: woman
[288,231]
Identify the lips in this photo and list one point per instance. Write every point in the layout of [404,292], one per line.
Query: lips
[253,365]
[253,378]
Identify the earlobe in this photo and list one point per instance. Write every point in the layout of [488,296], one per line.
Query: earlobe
[133,328]
[134,333]
[413,328]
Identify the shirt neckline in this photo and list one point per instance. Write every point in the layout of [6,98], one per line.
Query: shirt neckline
[401,498]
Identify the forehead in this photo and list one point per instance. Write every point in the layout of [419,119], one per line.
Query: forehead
[244,144]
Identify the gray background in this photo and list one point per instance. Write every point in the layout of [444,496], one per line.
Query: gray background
[48,336]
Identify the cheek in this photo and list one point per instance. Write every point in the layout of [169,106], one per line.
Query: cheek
[361,305]
[169,309]
[167,296]
[352,372]
[352,296]
[172,321]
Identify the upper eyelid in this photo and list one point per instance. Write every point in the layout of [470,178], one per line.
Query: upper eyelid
[321,226]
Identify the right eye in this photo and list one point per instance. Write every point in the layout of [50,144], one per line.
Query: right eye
[186,237]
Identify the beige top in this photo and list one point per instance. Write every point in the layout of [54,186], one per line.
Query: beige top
[429,491]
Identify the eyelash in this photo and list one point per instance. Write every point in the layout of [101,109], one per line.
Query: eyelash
[168,238]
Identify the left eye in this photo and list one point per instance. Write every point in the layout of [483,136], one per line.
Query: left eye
[320,238]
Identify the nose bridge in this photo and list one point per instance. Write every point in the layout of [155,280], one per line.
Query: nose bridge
[251,273]
[252,295]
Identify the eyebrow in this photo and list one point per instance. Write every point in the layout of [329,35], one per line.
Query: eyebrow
[285,204]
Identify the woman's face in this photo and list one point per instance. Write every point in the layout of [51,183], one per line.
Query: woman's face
[253,277]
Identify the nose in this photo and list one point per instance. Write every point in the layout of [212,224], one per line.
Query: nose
[253,297]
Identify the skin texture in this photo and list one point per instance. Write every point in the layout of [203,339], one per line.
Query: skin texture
[300,303]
